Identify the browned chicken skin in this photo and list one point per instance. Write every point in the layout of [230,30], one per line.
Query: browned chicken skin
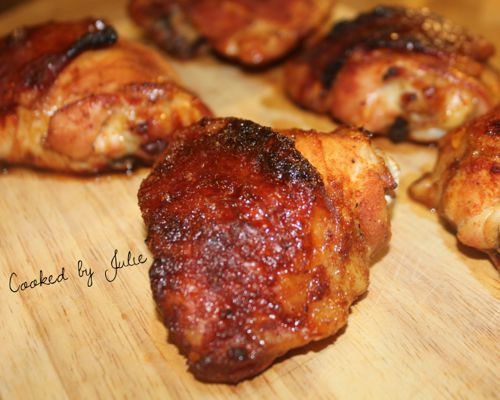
[465,185]
[168,26]
[73,97]
[259,249]
[402,72]
[253,32]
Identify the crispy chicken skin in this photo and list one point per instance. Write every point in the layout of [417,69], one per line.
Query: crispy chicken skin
[406,73]
[75,98]
[252,32]
[258,250]
[464,187]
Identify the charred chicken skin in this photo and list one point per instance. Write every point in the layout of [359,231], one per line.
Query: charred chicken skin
[465,185]
[75,98]
[406,73]
[252,32]
[167,24]
[261,241]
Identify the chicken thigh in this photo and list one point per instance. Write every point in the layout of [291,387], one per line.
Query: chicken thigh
[75,98]
[406,73]
[261,241]
[252,32]
[464,187]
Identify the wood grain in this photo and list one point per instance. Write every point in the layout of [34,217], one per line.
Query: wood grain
[428,328]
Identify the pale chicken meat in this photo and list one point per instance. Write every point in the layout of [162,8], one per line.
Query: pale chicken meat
[406,73]
[75,98]
[464,187]
[252,32]
[261,240]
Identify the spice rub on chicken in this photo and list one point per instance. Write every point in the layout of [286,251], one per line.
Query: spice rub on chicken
[75,98]
[406,73]
[464,187]
[261,241]
[252,32]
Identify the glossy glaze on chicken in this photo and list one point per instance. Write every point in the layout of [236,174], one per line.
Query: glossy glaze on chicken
[252,32]
[258,249]
[406,73]
[465,185]
[74,97]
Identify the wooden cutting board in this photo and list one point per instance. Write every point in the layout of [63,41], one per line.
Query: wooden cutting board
[428,327]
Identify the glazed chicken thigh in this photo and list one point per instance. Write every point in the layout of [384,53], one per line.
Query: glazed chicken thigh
[74,97]
[261,241]
[465,185]
[406,73]
[252,32]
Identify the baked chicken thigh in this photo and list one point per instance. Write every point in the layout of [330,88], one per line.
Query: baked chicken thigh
[406,73]
[74,97]
[261,241]
[252,32]
[465,185]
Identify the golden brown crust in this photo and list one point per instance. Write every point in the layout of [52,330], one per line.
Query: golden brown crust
[255,251]
[256,33]
[408,73]
[253,33]
[353,170]
[74,128]
[70,107]
[465,185]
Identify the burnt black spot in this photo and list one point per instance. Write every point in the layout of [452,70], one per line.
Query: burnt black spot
[237,354]
[92,41]
[226,314]
[493,128]
[399,131]
[173,31]
[16,38]
[365,132]
[142,128]
[391,72]
[340,27]
[332,69]
[495,169]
